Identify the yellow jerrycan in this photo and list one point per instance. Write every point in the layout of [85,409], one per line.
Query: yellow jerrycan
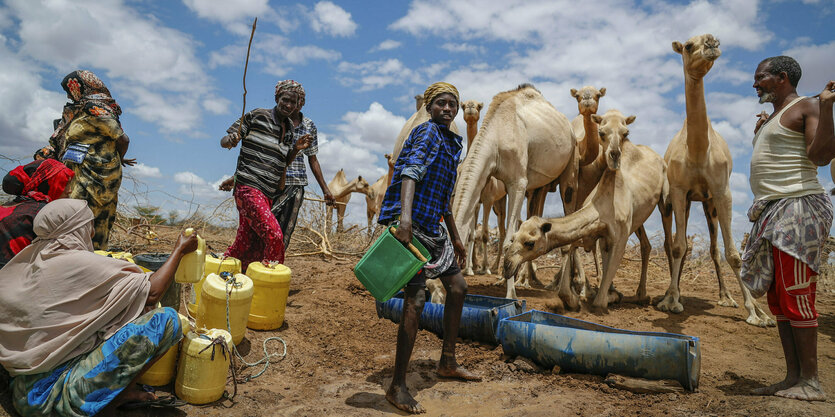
[214,265]
[191,266]
[163,371]
[269,299]
[204,364]
[216,292]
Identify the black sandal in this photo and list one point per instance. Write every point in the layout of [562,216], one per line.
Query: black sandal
[168,401]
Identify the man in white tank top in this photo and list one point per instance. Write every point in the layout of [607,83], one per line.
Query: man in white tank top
[792,215]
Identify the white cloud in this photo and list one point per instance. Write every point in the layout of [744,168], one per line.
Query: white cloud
[273,52]
[386,45]
[217,105]
[373,130]
[331,19]
[816,61]
[193,186]
[373,75]
[463,48]
[227,11]
[144,171]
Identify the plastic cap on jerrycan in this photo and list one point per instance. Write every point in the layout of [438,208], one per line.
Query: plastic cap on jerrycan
[214,265]
[216,292]
[201,374]
[190,269]
[269,299]
[164,369]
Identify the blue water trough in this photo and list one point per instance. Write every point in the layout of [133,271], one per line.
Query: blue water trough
[479,318]
[583,347]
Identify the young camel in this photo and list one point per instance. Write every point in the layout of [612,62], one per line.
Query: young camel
[342,189]
[699,168]
[374,199]
[633,184]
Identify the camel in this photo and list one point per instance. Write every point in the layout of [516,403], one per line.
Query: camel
[699,167]
[633,184]
[374,199]
[418,102]
[342,189]
[492,197]
[525,143]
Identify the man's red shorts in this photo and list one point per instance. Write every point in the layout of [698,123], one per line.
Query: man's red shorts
[792,294]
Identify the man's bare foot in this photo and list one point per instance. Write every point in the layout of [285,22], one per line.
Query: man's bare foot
[457,372]
[771,389]
[133,393]
[400,398]
[809,390]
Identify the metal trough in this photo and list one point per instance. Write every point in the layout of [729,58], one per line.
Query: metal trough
[479,318]
[584,347]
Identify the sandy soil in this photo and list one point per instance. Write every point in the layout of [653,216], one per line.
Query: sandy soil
[340,356]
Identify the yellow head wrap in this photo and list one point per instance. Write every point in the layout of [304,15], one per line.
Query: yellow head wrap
[437,89]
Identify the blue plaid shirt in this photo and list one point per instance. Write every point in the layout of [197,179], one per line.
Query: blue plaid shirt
[430,156]
[297,170]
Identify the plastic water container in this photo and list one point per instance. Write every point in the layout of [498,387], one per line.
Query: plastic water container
[201,374]
[214,265]
[153,262]
[211,312]
[116,255]
[269,299]
[164,369]
[388,265]
[192,264]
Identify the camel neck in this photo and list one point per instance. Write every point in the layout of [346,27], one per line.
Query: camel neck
[591,143]
[472,130]
[697,121]
[581,224]
[344,189]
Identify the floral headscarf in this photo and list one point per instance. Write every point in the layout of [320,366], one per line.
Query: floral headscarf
[89,95]
[292,87]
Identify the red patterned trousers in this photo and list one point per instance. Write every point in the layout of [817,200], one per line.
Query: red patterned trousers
[259,236]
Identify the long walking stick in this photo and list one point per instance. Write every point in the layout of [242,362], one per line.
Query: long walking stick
[246,65]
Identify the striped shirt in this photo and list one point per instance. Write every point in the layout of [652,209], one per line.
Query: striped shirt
[263,150]
[430,156]
[297,172]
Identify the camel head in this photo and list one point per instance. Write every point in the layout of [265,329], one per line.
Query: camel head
[588,98]
[529,242]
[613,131]
[698,54]
[418,102]
[472,110]
[362,185]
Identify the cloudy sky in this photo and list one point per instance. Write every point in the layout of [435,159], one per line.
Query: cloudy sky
[175,67]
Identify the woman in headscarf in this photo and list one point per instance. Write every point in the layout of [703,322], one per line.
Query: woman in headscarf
[267,148]
[34,185]
[89,140]
[79,328]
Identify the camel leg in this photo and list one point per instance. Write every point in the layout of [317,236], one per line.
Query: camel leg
[611,259]
[594,250]
[468,268]
[756,315]
[483,267]
[500,210]
[680,204]
[563,282]
[340,216]
[725,298]
[515,192]
[580,281]
[641,294]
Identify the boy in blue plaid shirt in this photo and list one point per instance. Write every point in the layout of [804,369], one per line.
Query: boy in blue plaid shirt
[419,196]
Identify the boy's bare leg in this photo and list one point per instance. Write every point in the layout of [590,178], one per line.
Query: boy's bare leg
[398,393]
[448,367]
[807,387]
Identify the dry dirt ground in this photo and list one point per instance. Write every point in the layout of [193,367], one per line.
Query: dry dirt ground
[340,355]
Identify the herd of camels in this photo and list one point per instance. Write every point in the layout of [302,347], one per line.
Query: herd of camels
[608,185]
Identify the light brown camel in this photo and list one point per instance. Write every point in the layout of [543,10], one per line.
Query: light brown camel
[418,102]
[342,189]
[525,143]
[374,199]
[633,184]
[699,167]
[492,197]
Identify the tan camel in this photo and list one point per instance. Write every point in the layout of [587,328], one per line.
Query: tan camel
[342,189]
[418,102]
[633,184]
[526,144]
[374,199]
[492,197]
[699,167]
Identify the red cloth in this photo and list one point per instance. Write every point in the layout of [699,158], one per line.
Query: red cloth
[49,179]
[791,296]
[259,236]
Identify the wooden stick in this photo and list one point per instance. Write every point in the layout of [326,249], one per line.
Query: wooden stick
[323,201]
[246,65]
[412,248]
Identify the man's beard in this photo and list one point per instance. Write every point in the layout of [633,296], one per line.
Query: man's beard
[767,98]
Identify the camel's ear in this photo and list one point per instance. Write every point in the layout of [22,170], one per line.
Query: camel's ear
[480,106]
[387,156]
[462,106]
[574,92]
[602,91]
[678,47]
[630,119]
[545,228]
[596,118]
[360,177]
